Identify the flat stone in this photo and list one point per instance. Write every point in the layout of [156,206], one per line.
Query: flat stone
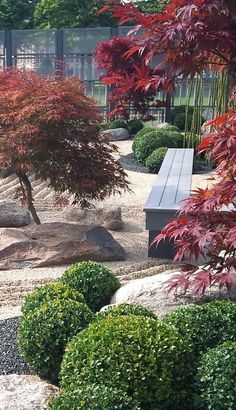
[109,217]
[13,215]
[56,244]
[25,392]
[117,134]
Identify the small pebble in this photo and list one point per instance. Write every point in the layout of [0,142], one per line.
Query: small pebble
[10,359]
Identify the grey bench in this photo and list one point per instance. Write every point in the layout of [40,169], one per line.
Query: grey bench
[172,185]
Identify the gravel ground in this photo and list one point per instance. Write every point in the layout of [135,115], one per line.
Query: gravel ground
[11,362]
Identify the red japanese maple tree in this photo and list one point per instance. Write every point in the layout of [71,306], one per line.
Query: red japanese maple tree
[51,128]
[192,36]
[122,74]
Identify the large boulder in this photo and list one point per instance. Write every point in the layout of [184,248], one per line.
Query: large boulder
[13,215]
[117,134]
[149,292]
[109,217]
[25,392]
[56,244]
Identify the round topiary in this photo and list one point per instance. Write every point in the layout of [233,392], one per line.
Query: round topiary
[94,397]
[180,109]
[134,126]
[48,292]
[150,142]
[180,120]
[176,137]
[139,136]
[143,356]
[170,127]
[215,379]
[119,123]
[154,161]
[207,325]
[44,332]
[124,309]
[94,280]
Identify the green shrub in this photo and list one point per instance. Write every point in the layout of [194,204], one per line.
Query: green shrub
[44,332]
[154,161]
[134,126]
[215,379]
[94,397]
[181,109]
[170,127]
[48,292]
[116,124]
[207,325]
[124,309]
[180,119]
[150,142]
[139,136]
[94,280]
[142,356]
[177,138]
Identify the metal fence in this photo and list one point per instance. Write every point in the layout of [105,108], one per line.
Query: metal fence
[40,50]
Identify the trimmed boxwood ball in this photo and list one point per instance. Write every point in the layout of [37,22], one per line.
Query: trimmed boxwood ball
[215,379]
[154,161]
[150,142]
[207,325]
[44,332]
[142,356]
[180,109]
[170,127]
[176,137]
[124,309]
[94,397]
[139,136]
[180,120]
[48,292]
[134,126]
[94,280]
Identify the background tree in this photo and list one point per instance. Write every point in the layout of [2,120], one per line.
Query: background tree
[192,36]
[52,129]
[71,14]
[17,14]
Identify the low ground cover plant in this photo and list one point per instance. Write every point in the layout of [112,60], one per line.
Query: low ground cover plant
[142,356]
[94,397]
[95,281]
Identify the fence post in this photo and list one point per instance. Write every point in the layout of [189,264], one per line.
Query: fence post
[114,33]
[168,107]
[8,49]
[59,53]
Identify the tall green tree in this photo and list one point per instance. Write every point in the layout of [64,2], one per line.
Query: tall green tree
[71,14]
[16,14]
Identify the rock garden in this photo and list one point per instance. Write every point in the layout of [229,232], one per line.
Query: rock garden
[87,320]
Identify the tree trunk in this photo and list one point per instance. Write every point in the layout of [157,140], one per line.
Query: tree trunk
[27,193]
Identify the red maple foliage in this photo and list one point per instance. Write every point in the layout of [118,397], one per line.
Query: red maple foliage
[52,128]
[122,72]
[191,36]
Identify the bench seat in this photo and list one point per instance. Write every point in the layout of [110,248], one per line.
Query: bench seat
[172,185]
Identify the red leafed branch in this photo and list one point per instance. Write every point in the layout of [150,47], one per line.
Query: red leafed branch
[123,71]
[207,223]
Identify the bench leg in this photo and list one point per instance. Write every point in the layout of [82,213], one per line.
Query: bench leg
[165,249]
